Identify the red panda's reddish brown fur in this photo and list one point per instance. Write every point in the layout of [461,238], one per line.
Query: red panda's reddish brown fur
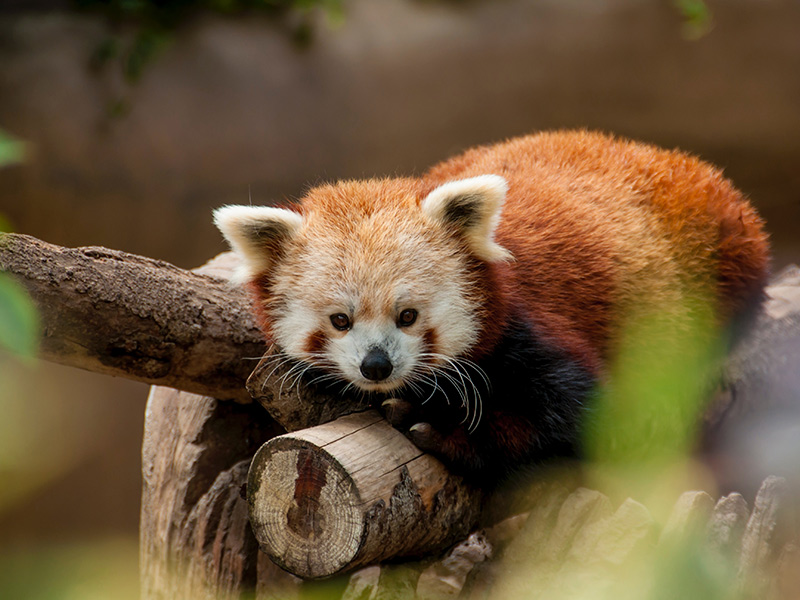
[600,226]
[595,234]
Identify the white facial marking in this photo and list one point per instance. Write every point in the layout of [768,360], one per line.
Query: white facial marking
[473,207]
[256,234]
[371,268]
[350,350]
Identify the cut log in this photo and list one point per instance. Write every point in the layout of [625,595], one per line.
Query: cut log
[195,539]
[727,524]
[275,385]
[353,492]
[446,577]
[689,516]
[120,314]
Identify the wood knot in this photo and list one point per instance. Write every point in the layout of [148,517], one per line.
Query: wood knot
[304,517]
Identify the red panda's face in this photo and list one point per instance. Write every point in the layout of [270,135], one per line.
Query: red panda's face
[372,303]
[367,282]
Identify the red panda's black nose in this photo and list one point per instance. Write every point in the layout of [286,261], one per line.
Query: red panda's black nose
[376,365]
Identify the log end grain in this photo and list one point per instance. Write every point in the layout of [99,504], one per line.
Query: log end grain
[352,492]
[305,509]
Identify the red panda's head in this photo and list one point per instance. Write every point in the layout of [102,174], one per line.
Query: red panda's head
[369,281]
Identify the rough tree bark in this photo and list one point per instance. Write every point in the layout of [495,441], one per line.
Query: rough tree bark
[195,537]
[130,316]
[120,314]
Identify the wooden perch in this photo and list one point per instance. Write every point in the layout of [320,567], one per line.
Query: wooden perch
[195,537]
[120,314]
[289,401]
[130,316]
[575,543]
[317,472]
[353,492]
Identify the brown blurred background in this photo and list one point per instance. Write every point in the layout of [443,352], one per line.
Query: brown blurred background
[233,108]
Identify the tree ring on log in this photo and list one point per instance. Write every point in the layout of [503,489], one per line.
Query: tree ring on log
[351,492]
[314,519]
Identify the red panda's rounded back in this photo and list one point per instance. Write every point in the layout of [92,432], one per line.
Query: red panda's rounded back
[603,229]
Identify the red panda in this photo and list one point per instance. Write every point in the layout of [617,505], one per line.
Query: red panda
[489,296]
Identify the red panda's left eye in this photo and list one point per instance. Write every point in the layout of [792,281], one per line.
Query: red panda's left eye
[407,317]
[340,321]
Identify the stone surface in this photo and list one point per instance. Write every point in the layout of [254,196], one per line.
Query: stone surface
[726,525]
[446,577]
[763,538]
[689,516]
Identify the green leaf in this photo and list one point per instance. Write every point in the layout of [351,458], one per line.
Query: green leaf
[648,410]
[12,151]
[697,18]
[19,321]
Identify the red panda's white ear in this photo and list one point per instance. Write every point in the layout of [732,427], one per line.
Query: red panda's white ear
[257,234]
[472,207]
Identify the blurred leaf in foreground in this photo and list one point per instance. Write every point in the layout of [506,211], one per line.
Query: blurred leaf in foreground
[19,321]
[12,150]
[697,18]
[645,421]
[93,570]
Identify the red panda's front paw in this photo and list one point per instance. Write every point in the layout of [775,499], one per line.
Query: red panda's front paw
[455,449]
[426,438]
[398,412]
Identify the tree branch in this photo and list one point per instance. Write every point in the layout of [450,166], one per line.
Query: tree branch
[125,315]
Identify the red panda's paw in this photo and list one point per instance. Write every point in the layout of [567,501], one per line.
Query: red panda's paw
[455,449]
[428,439]
[399,413]
[407,417]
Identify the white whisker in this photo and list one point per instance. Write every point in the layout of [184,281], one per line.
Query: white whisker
[459,373]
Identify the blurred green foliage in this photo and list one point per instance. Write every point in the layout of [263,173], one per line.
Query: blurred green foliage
[660,380]
[645,421]
[697,17]
[96,570]
[685,568]
[154,22]
[19,321]
[12,151]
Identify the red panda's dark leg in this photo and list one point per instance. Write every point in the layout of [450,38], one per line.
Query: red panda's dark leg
[531,410]
[455,448]
[400,413]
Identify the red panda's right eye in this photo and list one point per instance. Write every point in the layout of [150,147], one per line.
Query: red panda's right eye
[340,321]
